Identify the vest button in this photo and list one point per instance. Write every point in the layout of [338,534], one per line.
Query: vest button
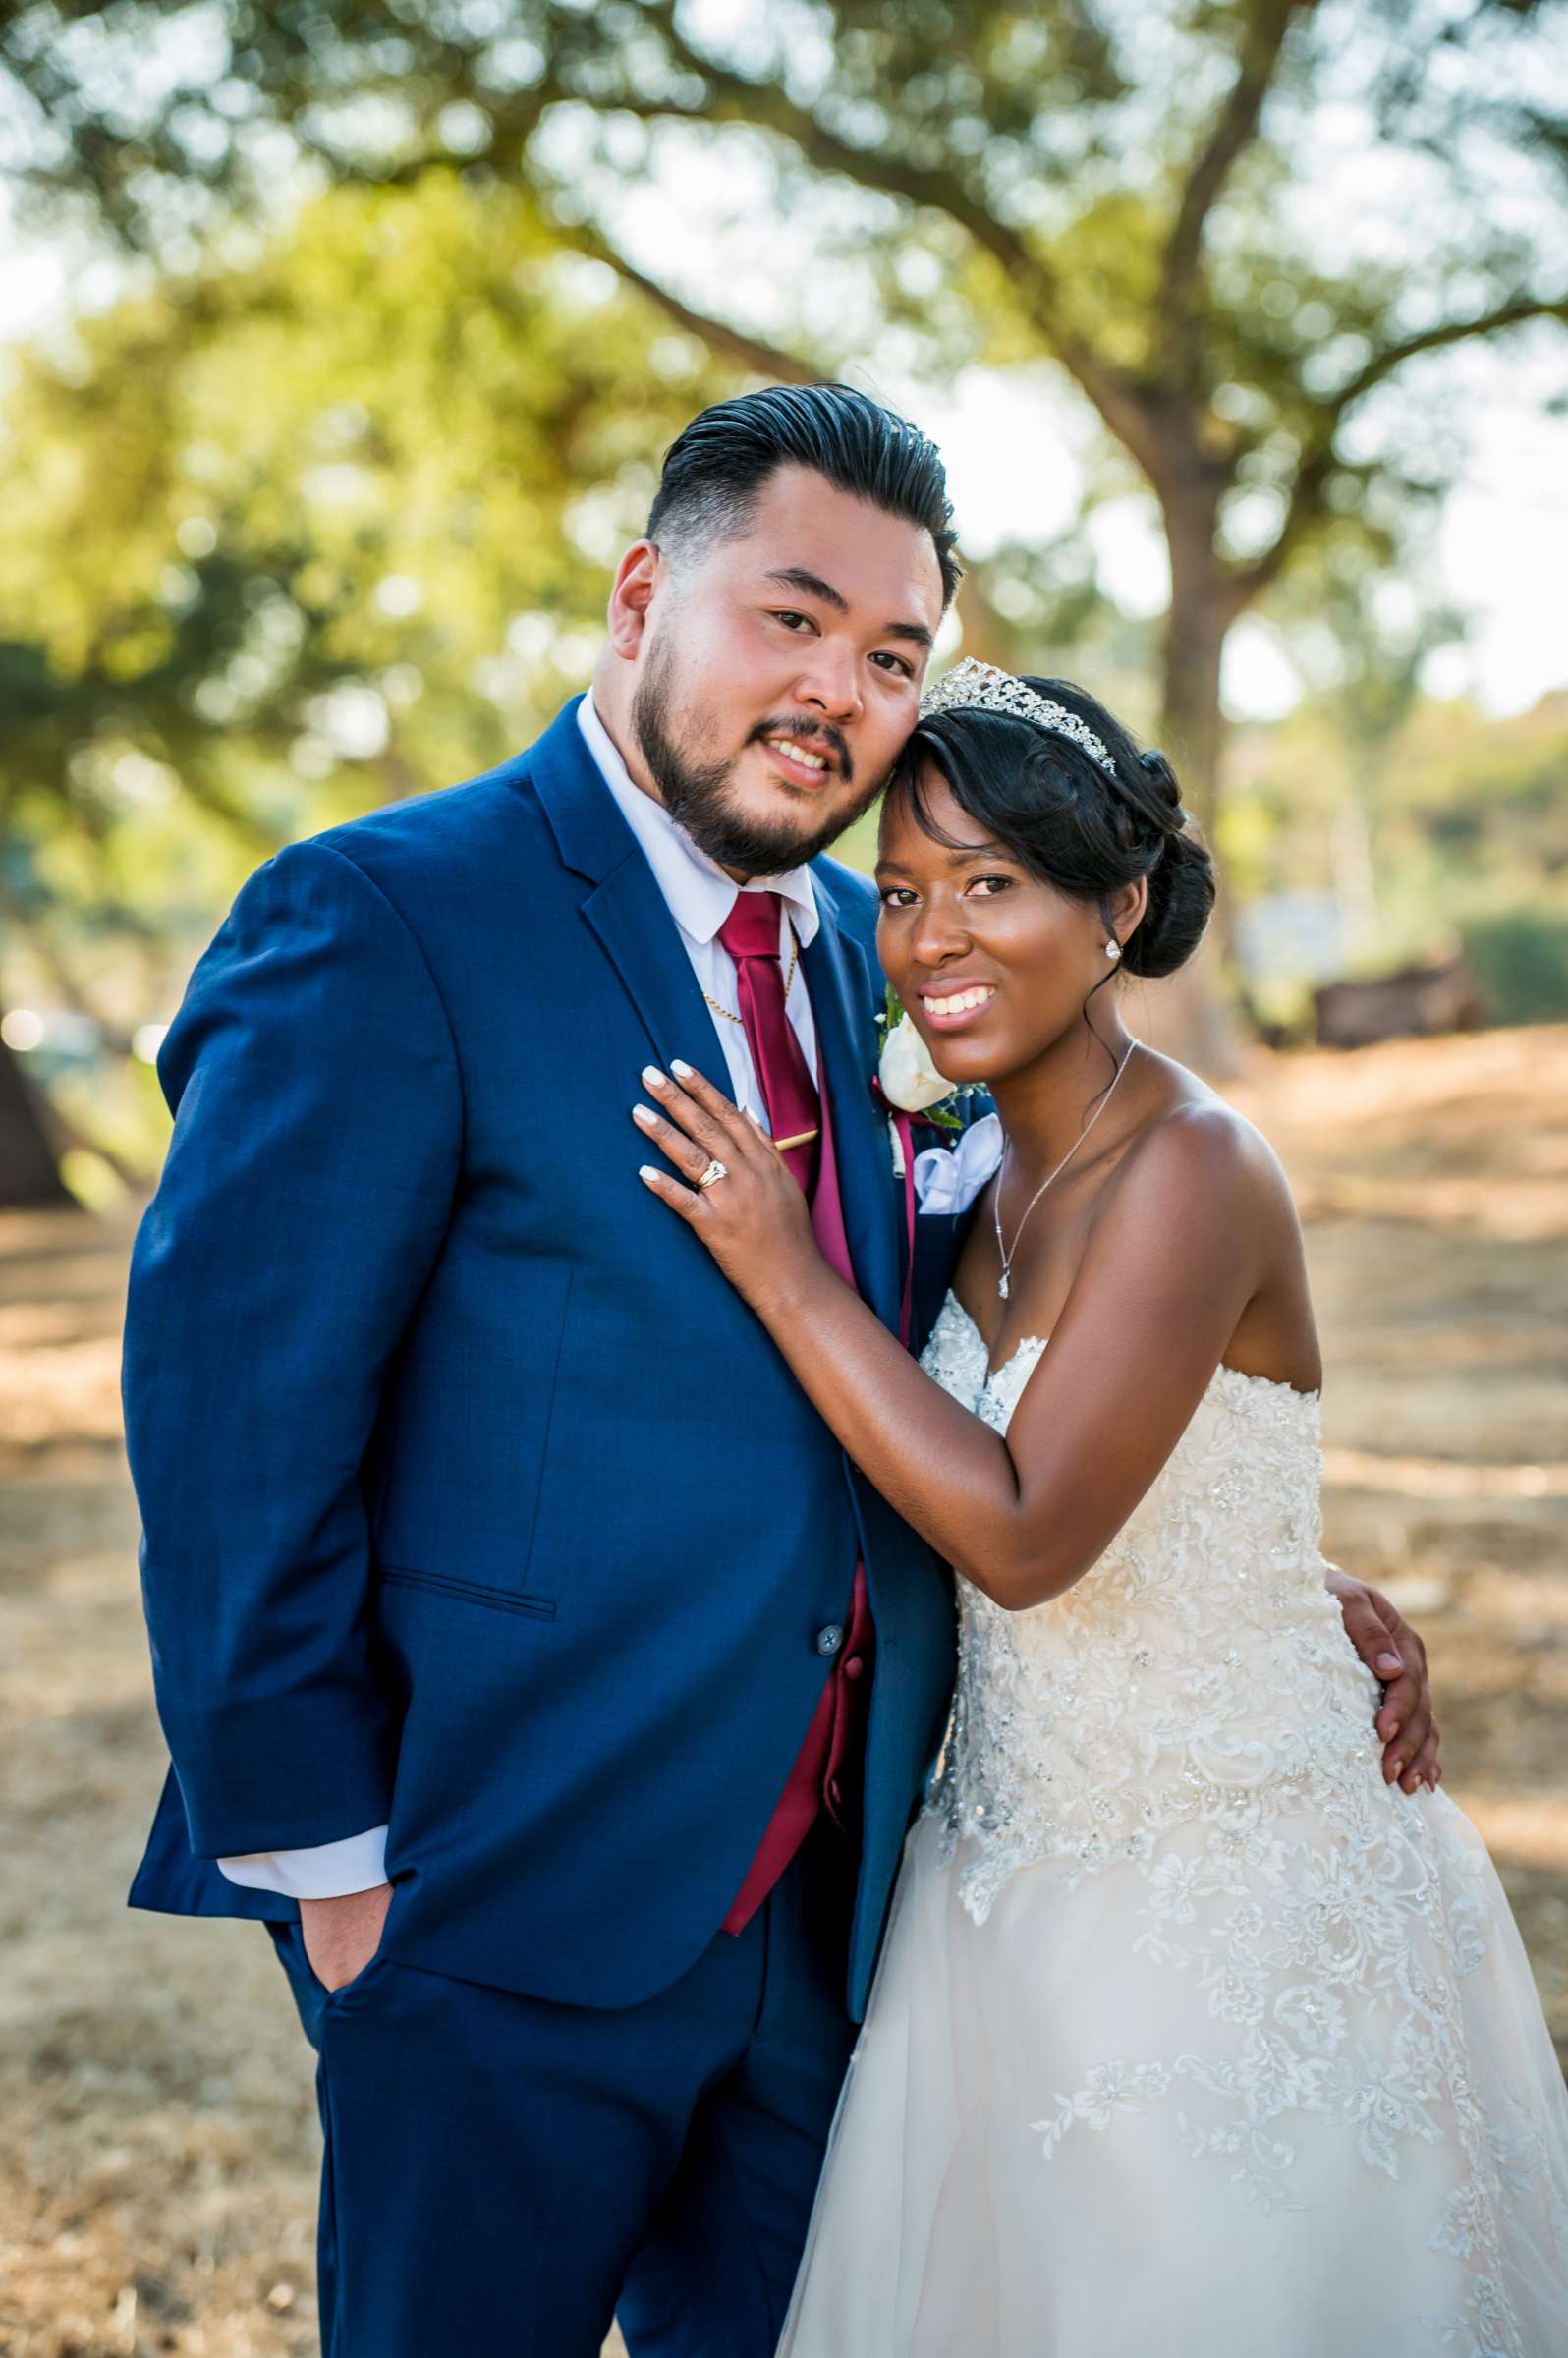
[830,1639]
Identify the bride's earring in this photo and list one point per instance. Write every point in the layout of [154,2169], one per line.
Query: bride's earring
[1113,948]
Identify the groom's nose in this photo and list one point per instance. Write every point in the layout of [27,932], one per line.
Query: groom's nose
[830,681]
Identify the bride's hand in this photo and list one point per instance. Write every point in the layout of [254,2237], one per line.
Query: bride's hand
[754,1220]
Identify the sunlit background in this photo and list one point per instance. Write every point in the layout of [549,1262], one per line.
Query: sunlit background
[338,349]
[341,346]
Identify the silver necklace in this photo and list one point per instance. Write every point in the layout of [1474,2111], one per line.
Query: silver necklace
[1004,1282]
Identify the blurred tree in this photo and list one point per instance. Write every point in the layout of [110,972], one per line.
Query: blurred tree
[320,523]
[1363,644]
[1230,223]
[1467,817]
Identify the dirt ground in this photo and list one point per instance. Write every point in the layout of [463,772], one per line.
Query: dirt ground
[159,2149]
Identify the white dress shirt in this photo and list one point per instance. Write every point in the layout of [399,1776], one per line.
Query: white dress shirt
[699,897]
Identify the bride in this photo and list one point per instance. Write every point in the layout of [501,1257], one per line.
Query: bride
[1192,2038]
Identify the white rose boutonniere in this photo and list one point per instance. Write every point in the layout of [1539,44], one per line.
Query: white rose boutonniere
[906,1075]
[908,1084]
[910,1080]
[907,1080]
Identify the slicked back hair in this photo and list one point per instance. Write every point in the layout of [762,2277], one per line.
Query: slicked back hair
[715,469]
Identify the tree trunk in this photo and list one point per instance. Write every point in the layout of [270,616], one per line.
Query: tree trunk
[1201,611]
[982,638]
[1190,1014]
[29,1173]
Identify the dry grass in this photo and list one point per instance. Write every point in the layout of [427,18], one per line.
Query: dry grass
[159,2182]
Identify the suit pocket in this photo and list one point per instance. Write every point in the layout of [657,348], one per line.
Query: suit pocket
[469,1436]
[474,1592]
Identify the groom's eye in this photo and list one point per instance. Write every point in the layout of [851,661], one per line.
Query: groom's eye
[897,662]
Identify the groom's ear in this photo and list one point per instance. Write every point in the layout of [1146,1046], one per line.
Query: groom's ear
[636,577]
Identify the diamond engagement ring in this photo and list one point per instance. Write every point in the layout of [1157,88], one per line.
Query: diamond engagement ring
[713,1175]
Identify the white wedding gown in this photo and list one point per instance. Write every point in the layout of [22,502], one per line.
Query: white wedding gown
[1191,2038]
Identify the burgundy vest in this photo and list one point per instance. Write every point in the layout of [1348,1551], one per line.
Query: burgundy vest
[818,1780]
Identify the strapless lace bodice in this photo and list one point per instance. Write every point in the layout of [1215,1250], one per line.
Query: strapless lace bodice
[1190,2034]
[1198,1671]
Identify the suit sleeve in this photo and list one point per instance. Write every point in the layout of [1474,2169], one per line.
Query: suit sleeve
[316,1145]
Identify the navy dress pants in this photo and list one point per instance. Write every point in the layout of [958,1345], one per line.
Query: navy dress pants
[502,2175]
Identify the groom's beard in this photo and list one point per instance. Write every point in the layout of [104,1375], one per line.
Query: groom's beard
[695,794]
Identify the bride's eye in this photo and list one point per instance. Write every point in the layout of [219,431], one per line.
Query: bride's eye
[1002,884]
[895,896]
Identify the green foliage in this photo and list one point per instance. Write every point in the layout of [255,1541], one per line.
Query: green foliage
[1133,195]
[1445,829]
[1520,958]
[321,511]
[299,531]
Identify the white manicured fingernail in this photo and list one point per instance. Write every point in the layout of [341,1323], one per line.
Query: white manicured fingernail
[682,1071]
[646,1170]
[644,1114]
[653,1078]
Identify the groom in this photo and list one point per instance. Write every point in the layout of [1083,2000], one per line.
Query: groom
[531,1660]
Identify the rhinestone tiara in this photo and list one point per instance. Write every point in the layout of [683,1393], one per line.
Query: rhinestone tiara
[981,687]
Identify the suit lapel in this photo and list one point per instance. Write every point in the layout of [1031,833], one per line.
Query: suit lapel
[838,978]
[644,944]
[628,912]
[625,909]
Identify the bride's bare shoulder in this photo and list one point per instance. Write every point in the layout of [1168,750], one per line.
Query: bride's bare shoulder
[1194,1142]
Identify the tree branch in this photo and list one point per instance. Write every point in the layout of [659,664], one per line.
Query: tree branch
[734,98]
[727,342]
[1233,131]
[1308,500]
[1434,339]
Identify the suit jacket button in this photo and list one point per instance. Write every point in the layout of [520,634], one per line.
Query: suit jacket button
[830,1639]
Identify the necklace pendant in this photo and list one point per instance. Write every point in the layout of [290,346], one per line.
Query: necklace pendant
[1002,1286]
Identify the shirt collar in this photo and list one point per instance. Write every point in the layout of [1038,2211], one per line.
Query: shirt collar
[699,894]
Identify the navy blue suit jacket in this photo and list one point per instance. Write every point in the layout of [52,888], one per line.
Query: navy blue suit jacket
[474,1498]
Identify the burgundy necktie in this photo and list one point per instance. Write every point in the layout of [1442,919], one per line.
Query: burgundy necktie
[750,935]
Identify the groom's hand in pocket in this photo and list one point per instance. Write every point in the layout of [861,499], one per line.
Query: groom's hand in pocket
[342,1936]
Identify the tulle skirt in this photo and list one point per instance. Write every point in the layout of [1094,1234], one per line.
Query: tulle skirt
[1303,2106]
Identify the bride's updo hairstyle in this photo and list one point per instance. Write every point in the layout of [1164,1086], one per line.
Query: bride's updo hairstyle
[1069,821]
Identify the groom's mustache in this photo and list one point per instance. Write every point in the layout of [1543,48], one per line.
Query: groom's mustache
[819,735]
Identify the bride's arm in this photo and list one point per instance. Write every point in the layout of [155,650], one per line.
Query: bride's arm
[1174,1261]
[1169,1270]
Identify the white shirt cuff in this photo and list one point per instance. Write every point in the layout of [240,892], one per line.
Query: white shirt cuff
[330,1871]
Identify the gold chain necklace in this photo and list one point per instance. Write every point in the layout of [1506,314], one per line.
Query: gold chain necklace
[730,1017]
